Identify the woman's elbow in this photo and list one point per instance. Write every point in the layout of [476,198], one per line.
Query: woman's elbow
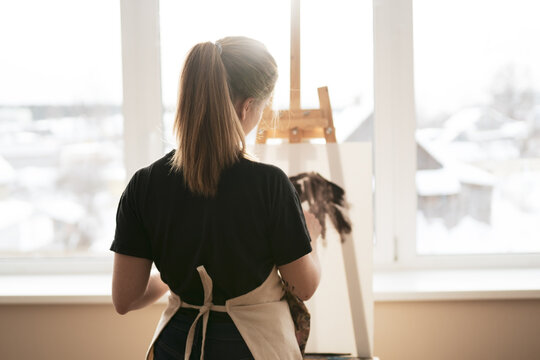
[120,308]
[310,290]
[121,311]
[122,304]
[305,297]
[307,288]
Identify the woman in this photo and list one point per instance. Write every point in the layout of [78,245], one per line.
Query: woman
[216,224]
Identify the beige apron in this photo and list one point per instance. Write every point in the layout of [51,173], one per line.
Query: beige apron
[262,318]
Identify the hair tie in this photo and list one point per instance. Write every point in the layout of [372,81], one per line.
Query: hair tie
[220,49]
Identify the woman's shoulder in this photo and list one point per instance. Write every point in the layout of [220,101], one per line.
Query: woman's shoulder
[246,163]
[267,170]
[248,167]
[161,166]
[145,174]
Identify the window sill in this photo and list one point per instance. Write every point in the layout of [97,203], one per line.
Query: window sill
[457,284]
[55,289]
[418,285]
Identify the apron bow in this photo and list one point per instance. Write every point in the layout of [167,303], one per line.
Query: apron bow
[204,311]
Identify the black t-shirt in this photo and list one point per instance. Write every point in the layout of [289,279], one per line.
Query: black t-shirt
[254,222]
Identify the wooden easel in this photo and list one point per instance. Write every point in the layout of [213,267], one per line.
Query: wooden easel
[299,124]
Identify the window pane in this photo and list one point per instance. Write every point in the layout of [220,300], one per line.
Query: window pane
[61,161]
[477,79]
[336,51]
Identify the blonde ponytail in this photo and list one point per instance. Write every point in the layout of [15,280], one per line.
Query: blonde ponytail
[209,134]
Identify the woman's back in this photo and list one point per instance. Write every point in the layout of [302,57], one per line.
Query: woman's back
[250,225]
[205,214]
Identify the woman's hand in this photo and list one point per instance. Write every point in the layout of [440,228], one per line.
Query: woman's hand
[314,227]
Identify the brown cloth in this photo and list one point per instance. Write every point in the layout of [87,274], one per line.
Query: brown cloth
[301,319]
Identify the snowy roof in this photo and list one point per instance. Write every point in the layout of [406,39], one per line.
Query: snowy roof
[352,118]
[449,155]
[13,211]
[61,208]
[427,139]
[437,182]
[482,123]
[7,173]
[470,174]
[363,132]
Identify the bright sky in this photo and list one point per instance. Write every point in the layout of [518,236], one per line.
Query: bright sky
[460,45]
[61,51]
[336,42]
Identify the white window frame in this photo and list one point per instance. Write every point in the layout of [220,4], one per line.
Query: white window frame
[393,140]
[395,151]
[142,110]
[141,66]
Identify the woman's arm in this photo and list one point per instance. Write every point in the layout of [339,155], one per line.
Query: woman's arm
[303,275]
[132,285]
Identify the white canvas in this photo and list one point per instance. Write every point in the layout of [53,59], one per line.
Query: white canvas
[333,319]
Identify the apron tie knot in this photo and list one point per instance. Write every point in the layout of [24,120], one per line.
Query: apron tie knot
[204,311]
[205,308]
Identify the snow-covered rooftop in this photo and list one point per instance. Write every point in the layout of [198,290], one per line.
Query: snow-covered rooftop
[437,182]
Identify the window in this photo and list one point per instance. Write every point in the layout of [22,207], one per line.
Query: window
[337,51]
[336,41]
[440,95]
[477,87]
[452,113]
[61,156]
[184,24]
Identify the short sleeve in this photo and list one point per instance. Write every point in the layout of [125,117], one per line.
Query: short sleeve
[130,237]
[290,238]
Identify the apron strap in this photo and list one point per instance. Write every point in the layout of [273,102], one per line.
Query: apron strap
[204,311]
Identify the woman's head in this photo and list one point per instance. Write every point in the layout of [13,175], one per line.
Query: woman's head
[223,89]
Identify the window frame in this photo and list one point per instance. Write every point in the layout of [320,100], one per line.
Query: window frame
[395,204]
[395,152]
[142,118]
